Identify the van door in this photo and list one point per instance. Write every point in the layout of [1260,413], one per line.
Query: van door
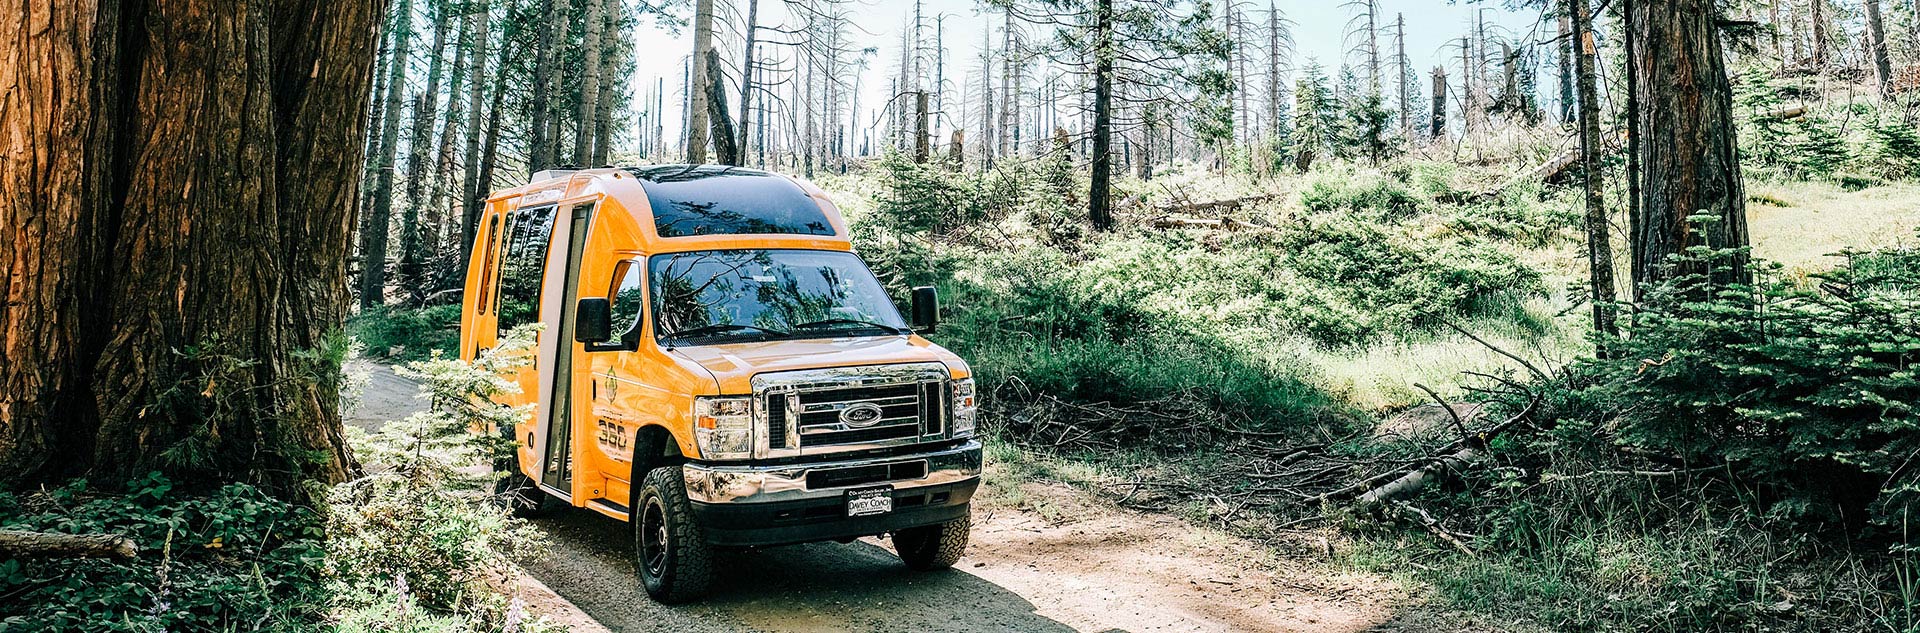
[556,350]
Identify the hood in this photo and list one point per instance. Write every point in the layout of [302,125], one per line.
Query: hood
[734,364]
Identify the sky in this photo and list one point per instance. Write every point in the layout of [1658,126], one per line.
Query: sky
[1319,33]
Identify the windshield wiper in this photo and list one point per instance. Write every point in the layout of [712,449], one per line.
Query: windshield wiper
[830,322]
[719,328]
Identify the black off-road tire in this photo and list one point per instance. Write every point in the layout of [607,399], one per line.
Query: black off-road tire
[518,492]
[933,547]
[671,555]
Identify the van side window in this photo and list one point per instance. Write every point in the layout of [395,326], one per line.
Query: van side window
[629,283]
[486,267]
[523,266]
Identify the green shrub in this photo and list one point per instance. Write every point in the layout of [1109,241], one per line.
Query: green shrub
[402,335]
[417,519]
[234,559]
[1374,198]
[1809,393]
[1894,151]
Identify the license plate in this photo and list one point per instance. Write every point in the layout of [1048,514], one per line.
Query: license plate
[869,501]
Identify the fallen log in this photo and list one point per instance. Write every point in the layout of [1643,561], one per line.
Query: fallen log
[1216,206]
[1412,481]
[1196,223]
[21,544]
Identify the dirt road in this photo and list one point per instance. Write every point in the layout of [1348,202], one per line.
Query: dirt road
[1044,558]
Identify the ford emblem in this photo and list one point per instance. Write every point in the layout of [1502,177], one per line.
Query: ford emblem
[861,415]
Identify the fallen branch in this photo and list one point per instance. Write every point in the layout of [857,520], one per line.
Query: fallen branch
[1432,526]
[1414,480]
[20,544]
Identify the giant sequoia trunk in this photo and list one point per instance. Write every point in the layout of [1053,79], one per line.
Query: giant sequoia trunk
[1688,156]
[179,194]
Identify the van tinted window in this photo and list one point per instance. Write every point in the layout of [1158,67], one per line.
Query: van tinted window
[523,265]
[691,200]
[629,283]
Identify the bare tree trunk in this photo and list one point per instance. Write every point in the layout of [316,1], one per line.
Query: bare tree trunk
[540,145]
[1274,55]
[725,151]
[921,151]
[1877,43]
[1818,13]
[609,65]
[1008,100]
[1689,154]
[1567,44]
[479,21]
[1599,242]
[1773,17]
[189,202]
[1400,52]
[374,229]
[595,20]
[425,108]
[1438,127]
[747,75]
[1099,208]
[438,210]
[697,84]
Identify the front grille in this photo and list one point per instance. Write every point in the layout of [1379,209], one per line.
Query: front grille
[862,435]
[839,409]
[906,410]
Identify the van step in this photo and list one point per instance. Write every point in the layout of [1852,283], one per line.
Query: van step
[610,507]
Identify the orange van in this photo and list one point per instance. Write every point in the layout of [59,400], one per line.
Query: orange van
[718,368]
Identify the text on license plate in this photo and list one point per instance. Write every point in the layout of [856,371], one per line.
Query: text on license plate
[869,501]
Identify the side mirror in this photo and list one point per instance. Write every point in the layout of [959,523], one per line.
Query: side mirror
[926,309]
[593,321]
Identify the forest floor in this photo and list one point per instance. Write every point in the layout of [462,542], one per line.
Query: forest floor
[1045,556]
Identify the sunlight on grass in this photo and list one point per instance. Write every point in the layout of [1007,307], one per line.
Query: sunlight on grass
[1825,218]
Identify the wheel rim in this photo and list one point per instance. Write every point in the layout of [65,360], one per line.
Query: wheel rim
[653,538]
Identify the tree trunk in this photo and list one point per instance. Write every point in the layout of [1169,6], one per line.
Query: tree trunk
[1438,127]
[1099,208]
[697,82]
[1877,44]
[747,74]
[439,210]
[539,145]
[1566,67]
[921,149]
[426,106]
[1817,9]
[374,229]
[1400,52]
[589,84]
[178,243]
[1689,155]
[479,21]
[609,65]
[1599,241]
[726,152]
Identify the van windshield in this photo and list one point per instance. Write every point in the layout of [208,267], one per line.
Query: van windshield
[715,296]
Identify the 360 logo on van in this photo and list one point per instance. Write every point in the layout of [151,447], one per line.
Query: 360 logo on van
[861,415]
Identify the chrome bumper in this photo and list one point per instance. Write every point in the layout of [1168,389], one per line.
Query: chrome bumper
[714,483]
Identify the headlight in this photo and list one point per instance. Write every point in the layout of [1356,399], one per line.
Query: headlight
[965,408]
[723,427]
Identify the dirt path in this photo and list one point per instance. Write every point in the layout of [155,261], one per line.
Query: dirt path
[1081,565]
